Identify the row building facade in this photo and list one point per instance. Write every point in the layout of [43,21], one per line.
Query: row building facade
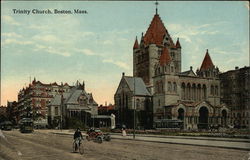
[235,92]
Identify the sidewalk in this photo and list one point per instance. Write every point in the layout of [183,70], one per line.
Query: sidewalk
[228,143]
[192,137]
[186,141]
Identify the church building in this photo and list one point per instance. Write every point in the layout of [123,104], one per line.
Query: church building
[192,97]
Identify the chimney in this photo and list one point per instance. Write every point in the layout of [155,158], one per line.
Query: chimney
[83,85]
[123,74]
[191,68]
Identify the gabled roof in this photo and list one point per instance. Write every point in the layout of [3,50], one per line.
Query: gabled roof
[165,57]
[156,32]
[140,87]
[56,101]
[207,62]
[70,97]
[188,73]
[73,99]
[136,45]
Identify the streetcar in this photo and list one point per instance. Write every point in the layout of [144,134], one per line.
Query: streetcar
[26,125]
[6,125]
[168,124]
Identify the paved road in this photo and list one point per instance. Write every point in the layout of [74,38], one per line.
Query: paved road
[42,145]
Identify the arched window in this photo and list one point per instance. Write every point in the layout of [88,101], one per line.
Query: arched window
[212,90]
[175,87]
[172,69]
[157,87]
[183,91]
[137,103]
[193,92]
[188,91]
[199,92]
[126,101]
[216,90]
[204,92]
[169,87]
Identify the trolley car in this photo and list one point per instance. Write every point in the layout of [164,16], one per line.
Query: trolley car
[26,125]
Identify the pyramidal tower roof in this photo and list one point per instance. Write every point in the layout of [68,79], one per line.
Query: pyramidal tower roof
[178,45]
[156,31]
[165,57]
[207,62]
[136,45]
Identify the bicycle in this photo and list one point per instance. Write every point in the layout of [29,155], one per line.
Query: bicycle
[77,146]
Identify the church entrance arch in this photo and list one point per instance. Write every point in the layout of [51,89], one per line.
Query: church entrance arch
[203,118]
[181,117]
[181,114]
[224,118]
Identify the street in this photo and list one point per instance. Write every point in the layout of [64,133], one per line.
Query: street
[41,145]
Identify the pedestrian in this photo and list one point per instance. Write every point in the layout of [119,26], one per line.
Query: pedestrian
[124,132]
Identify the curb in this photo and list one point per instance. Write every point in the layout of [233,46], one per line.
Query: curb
[225,147]
[197,138]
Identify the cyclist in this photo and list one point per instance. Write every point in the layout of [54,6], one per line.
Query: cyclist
[77,137]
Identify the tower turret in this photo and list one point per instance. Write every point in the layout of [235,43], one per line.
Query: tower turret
[136,45]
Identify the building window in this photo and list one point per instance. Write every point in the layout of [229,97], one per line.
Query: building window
[56,111]
[162,88]
[159,102]
[216,90]
[175,87]
[169,87]
[212,90]
[137,103]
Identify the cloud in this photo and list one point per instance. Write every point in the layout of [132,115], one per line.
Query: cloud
[10,20]
[84,34]
[52,50]
[47,38]
[117,63]
[86,52]
[189,32]
[14,41]
[107,42]
[38,27]
[57,51]
[12,35]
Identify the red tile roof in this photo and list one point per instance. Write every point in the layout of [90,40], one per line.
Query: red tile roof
[207,62]
[165,57]
[156,32]
[136,44]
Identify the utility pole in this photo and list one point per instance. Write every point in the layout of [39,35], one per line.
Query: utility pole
[134,110]
[61,118]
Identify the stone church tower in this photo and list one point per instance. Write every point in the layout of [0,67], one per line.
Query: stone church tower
[149,51]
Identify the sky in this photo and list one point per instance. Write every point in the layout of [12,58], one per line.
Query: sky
[98,46]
